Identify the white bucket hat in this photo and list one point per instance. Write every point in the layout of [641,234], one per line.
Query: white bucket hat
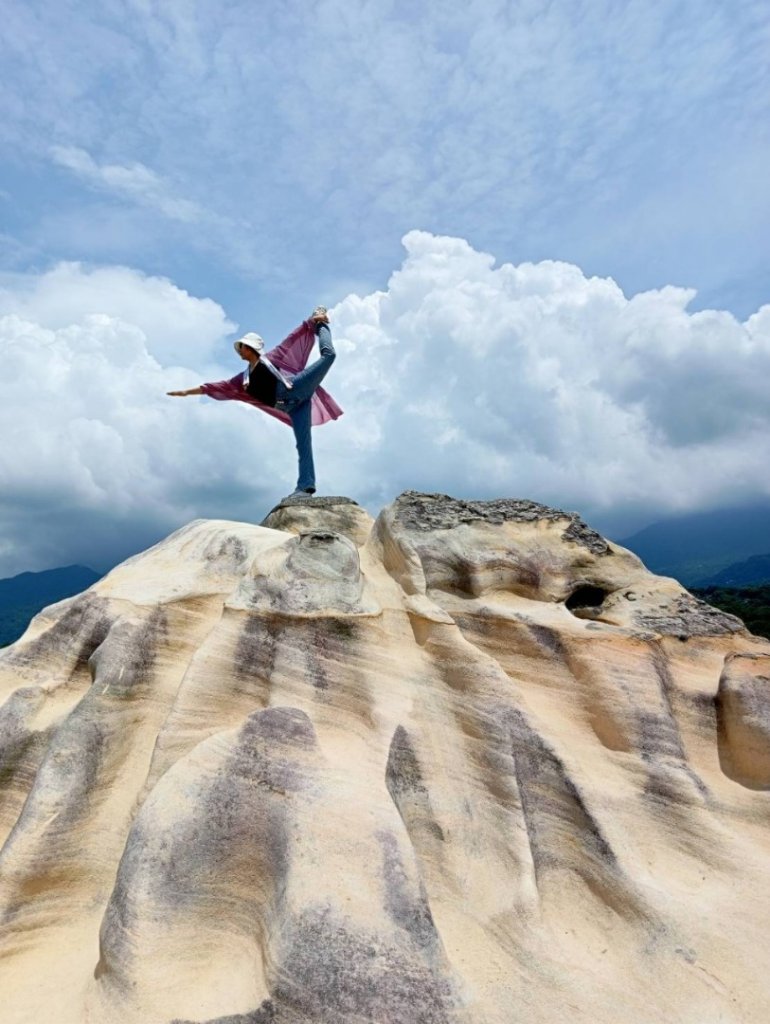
[252,340]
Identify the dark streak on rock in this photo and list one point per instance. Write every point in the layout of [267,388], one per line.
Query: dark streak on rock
[241,815]
[264,1014]
[328,645]
[660,742]
[407,909]
[267,744]
[552,804]
[402,774]
[331,972]
[21,749]
[82,627]
[228,551]
[125,659]
[407,789]
[658,733]
[79,758]
[462,574]
[549,639]
[257,645]
[319,645]
[120,917]
[478,570]
[79,747]
[702,705]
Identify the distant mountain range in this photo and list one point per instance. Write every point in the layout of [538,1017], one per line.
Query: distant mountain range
[699,547]
[23,596]
[755,571]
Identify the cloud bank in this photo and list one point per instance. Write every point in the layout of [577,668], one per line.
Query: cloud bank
[461,376]
[534,379]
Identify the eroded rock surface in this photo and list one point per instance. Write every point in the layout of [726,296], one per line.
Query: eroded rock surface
[340,515]
[468,763]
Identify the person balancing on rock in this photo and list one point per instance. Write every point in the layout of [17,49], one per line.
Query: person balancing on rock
[280,383]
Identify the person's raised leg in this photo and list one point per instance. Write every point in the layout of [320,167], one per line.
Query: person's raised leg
[305,383]
[301,423]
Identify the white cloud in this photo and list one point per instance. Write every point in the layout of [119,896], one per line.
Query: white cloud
[534,380]
[176,328]
[133,181]
[460,376]
[96,460]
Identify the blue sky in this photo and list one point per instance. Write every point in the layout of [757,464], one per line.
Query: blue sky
[241,162]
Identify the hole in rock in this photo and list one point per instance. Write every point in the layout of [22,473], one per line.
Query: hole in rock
[319,537]
[586,596]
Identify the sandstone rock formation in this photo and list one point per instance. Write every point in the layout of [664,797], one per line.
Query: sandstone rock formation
[467,763]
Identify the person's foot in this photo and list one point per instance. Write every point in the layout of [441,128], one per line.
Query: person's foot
[308,492]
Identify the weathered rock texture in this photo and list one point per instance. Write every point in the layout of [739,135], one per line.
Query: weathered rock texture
[468,763]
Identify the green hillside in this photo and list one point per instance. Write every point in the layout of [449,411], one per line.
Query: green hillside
[752,604]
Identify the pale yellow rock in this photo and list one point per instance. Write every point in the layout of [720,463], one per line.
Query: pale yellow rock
[467,763]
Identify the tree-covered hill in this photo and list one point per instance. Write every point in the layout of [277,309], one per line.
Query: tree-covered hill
[23,596]
[752,604]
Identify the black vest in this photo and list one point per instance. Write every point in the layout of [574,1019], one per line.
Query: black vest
[262,385]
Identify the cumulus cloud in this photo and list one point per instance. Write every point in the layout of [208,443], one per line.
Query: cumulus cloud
[536,380]
[462,376]
[177,328]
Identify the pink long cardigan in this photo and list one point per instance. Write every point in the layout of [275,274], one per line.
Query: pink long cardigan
[290,357]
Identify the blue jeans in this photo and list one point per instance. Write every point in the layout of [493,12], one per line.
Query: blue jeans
[296,403]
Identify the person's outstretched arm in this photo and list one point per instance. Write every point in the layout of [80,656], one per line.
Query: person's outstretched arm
[222,390]
[184,394]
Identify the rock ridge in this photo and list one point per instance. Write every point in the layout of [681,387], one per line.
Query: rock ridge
[422,511]
[464,762]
